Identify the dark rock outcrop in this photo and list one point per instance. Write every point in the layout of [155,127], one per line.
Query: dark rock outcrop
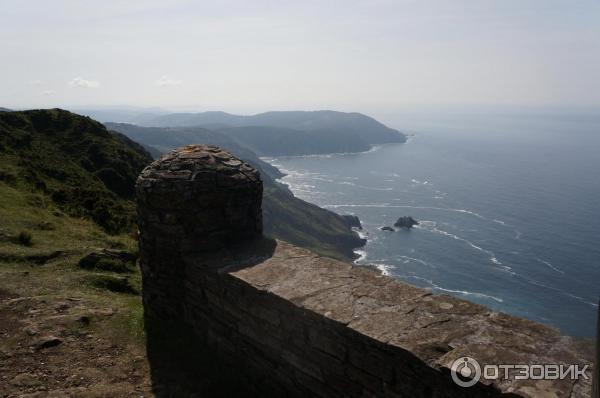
[406,222]
[386,228]
[47,342]
[352,221]
[109,260]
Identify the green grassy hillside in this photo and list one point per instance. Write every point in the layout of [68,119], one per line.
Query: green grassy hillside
[45,296]
[73,162]
[347,125]
[304,224]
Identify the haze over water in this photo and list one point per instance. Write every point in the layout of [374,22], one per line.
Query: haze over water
[509,209]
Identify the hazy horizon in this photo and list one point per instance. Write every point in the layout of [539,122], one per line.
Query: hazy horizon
[371,57]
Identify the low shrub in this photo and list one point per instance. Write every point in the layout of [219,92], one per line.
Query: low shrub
[24,238]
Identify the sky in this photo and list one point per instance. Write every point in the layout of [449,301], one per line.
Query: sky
[251,56]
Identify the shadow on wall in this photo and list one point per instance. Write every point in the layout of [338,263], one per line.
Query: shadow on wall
[183,363]
[214,358]
[215,330]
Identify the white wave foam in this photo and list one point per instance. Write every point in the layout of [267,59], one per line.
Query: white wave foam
[415,181]
[364,187]
[374,148]
[384,268]
[418,260]
[434,286]
[306,186]
[383,205]
[490,253]
[386,205]
[434,229]
[468,293]
[549,265]
[564,293]
[507,269]
[362,255]
[361,234]
[323,179]
[394,175]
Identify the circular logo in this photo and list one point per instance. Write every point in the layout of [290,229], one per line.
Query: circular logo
[465,371]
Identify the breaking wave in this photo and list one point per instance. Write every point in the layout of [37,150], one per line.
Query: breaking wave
[433,228]
[549,265]
[387,205]
[435,286]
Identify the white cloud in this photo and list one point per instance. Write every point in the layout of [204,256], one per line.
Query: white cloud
[47,92]
[81,82]
[167,81]
[35,82]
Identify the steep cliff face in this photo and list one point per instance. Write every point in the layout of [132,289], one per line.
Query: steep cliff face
[304,224]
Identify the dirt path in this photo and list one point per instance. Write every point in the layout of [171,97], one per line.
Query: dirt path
[54,347]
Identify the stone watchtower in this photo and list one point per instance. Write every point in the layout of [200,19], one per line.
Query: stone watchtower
[194,200]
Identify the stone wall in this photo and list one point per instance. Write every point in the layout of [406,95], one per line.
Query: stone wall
[195,200]
[290,323]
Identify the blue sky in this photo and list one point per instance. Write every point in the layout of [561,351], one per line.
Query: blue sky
[250,56]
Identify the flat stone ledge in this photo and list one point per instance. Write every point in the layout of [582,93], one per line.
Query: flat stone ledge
[435,328]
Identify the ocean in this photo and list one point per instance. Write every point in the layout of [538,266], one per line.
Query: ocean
[508,205]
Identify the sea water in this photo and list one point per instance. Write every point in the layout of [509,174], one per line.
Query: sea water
[508,206]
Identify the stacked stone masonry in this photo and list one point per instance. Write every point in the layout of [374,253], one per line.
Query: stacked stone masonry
[293,323]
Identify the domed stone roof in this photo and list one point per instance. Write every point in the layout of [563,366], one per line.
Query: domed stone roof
[199,197]
[203,163]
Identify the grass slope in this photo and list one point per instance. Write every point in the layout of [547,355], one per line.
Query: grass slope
[73,161]
[304,224]
[44,293]
[367,128]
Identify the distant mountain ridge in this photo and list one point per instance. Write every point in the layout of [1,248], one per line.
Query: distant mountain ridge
[285,216]
[368,129]
[279,133]
[164,139]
